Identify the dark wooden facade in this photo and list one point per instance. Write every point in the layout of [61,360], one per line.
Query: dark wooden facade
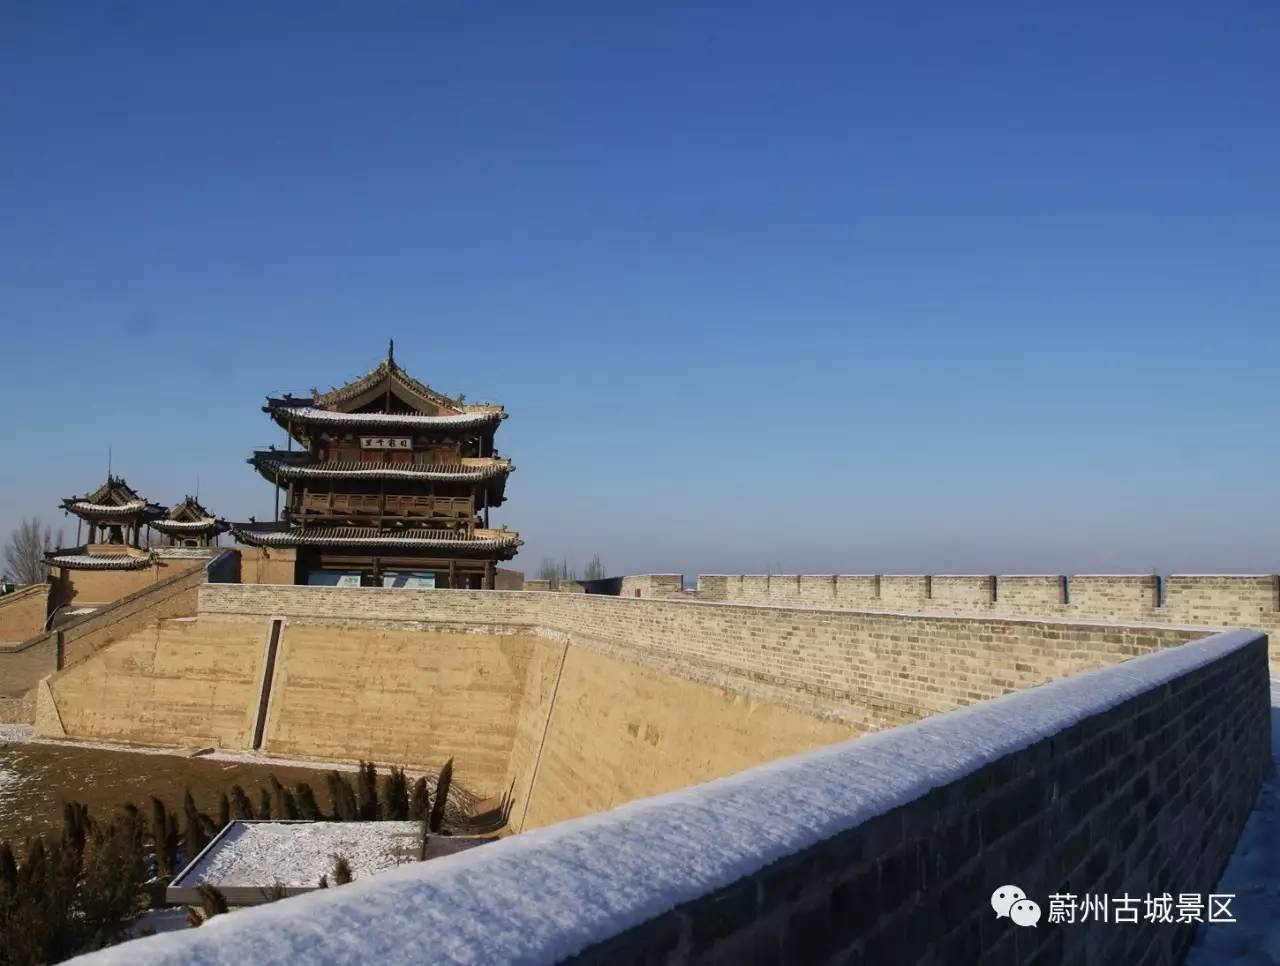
[391,483]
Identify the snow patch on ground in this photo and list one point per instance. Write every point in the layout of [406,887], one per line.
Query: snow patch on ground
[547,894]
[12,794]
[298,854]
[1253,876]
[15,734]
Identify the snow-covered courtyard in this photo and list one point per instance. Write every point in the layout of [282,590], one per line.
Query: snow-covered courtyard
[298,853]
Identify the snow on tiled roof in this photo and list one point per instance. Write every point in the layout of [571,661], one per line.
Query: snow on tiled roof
[164,526]
[103,561]
[84,506]
[324,417]
[288,469]
[373,537]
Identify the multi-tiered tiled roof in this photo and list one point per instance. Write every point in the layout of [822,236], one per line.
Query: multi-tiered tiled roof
[189,519]
[116,514]
[422,477]
[112,502]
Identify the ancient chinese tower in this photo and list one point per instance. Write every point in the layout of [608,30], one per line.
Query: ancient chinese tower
[108,560]
[391,484]
[189,524]
[115,515]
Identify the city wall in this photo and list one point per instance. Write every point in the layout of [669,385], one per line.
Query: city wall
[555,729]
[1213,600]
[1132,779]
[268,565]
[98,588]
[563,704]
[23,612]
[868,669]
[22,665]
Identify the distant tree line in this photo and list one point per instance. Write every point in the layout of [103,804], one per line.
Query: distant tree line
[24,552]
[557,573]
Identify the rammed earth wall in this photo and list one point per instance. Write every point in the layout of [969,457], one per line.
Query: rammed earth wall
[1211,600]
[23,612]
[1128,779]
[872,670]
[23,665]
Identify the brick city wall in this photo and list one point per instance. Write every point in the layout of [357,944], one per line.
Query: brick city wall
[19,710]
[23,612]
[98,588]
[1130,779]
[267,565]
[1144,793]
[175,596]
[872,670]
[23,665]
[1212,600]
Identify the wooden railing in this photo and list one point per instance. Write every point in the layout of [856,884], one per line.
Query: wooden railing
[449,508]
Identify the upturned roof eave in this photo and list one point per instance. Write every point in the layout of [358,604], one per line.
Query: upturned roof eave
[333,537]
[86,509]
[272,466]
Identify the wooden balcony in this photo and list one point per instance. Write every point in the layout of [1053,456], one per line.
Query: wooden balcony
[446,509]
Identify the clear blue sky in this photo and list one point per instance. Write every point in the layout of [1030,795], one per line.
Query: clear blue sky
[855,287]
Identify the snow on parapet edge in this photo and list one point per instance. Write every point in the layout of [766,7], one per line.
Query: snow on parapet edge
[550,893]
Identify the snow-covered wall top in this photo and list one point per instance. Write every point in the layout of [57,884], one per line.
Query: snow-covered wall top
[1014,761]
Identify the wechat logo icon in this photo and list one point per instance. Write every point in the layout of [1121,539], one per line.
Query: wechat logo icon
[1012,903]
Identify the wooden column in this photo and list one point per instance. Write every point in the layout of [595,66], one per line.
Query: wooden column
[489,575]
[453,574]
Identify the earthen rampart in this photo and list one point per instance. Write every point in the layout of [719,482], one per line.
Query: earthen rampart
[25,663]
[1132,779]
[23,612]
[870,669]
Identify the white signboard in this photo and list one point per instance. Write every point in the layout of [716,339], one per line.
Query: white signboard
[410,581]
[386,442]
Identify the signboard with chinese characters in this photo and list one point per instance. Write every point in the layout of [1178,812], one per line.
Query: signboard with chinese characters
[386,442]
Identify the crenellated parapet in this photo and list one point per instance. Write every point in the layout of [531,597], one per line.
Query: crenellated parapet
[1206,600]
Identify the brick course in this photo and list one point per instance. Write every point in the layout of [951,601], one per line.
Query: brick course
[1209,600]
[873,670]
[1146,797]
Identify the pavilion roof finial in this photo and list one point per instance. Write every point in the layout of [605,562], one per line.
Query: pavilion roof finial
[391,351]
